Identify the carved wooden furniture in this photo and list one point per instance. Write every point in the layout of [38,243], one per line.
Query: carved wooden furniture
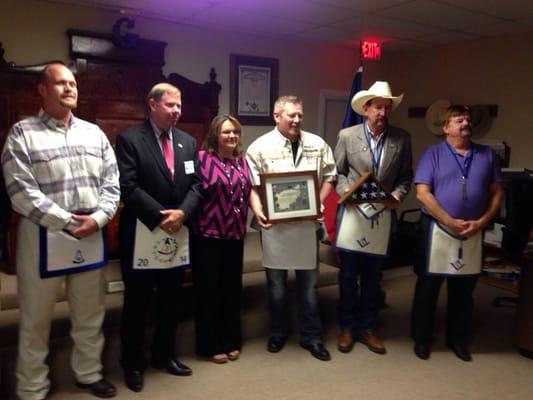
[113,82]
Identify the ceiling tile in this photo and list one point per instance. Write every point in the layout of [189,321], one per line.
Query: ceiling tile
[168,10]
[498,8]
[328,34]
[446,37]
[500,28]
[363,5]
[375,25]
[226,18]
[300,10]
[438,15]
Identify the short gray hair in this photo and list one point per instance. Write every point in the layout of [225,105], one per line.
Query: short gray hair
[279,105]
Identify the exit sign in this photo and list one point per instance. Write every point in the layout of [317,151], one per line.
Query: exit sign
[370,50]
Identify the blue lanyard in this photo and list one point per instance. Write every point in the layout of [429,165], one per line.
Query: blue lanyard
[463,167]
[376,158]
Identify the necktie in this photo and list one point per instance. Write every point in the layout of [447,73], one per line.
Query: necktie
[167,152]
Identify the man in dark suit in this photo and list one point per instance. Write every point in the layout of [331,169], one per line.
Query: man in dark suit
[385,151]
[160,189]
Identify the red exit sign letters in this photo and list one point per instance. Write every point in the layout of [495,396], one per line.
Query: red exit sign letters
[370,50]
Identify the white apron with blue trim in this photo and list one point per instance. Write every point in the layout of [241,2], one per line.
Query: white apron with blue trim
[158,249]
[451,255]
[60,253]
[364,228]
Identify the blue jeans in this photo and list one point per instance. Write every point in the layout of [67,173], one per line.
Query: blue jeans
[308,316]
[360,290]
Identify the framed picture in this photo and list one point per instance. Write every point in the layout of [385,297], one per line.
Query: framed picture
[290,196]
[253,88]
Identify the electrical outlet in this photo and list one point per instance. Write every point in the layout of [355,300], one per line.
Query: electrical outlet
[115,286]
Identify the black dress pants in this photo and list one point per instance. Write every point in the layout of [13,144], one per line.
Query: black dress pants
[140,289]
[217,276]
[460,306]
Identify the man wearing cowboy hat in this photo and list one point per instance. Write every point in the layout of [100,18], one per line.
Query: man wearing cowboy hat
[386,152]
[459,185]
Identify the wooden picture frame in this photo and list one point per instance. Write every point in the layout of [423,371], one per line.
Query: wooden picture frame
[290,196]
[253,88]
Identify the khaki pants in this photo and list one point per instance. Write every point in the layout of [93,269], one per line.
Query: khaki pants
[37,297]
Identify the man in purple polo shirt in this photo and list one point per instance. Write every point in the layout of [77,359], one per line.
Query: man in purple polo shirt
[459,184]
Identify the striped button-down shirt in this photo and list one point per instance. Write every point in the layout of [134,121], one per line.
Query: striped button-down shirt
[51,171]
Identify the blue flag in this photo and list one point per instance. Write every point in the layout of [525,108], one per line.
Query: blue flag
[351,117]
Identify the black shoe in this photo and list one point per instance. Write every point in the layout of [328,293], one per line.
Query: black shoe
[422,351]
[102,388]
[317,350]
[276,343]
[173,367]
[461,352]
[134,380]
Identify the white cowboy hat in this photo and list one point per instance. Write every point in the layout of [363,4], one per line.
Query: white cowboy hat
[378,89]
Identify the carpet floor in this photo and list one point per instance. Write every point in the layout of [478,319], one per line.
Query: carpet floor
[497,371]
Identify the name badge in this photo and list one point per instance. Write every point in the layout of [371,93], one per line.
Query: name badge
[189,167]
[159,250]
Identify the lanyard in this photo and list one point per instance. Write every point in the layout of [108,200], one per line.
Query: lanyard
[464,168]
[376,157]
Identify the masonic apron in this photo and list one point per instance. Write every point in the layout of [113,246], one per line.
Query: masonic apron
[451,255]
[290,245]
[158,249]
[364,228]
[60,253]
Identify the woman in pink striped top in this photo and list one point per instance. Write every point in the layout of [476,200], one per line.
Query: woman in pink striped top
[219,228]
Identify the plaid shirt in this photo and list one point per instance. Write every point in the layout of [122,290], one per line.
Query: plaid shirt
[51,172]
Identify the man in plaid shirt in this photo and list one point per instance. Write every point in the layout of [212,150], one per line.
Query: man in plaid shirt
[62,177]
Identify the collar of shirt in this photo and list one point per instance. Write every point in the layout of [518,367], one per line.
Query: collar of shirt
[157,133]
[55,124]
[373,136]
[284,141]
[374,139]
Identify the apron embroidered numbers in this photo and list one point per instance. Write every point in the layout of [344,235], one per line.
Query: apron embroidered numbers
[159,250]
[61,253]
[451,255]
[364,229]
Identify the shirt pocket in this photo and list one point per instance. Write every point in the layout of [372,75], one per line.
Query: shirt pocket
[48,166]
[88,160]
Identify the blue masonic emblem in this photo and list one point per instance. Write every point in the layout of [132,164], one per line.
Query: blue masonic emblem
[78,259]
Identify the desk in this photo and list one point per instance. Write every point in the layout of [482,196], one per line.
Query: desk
[493,251]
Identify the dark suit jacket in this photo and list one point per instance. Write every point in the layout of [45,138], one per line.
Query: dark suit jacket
[353,158]
[146,184]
